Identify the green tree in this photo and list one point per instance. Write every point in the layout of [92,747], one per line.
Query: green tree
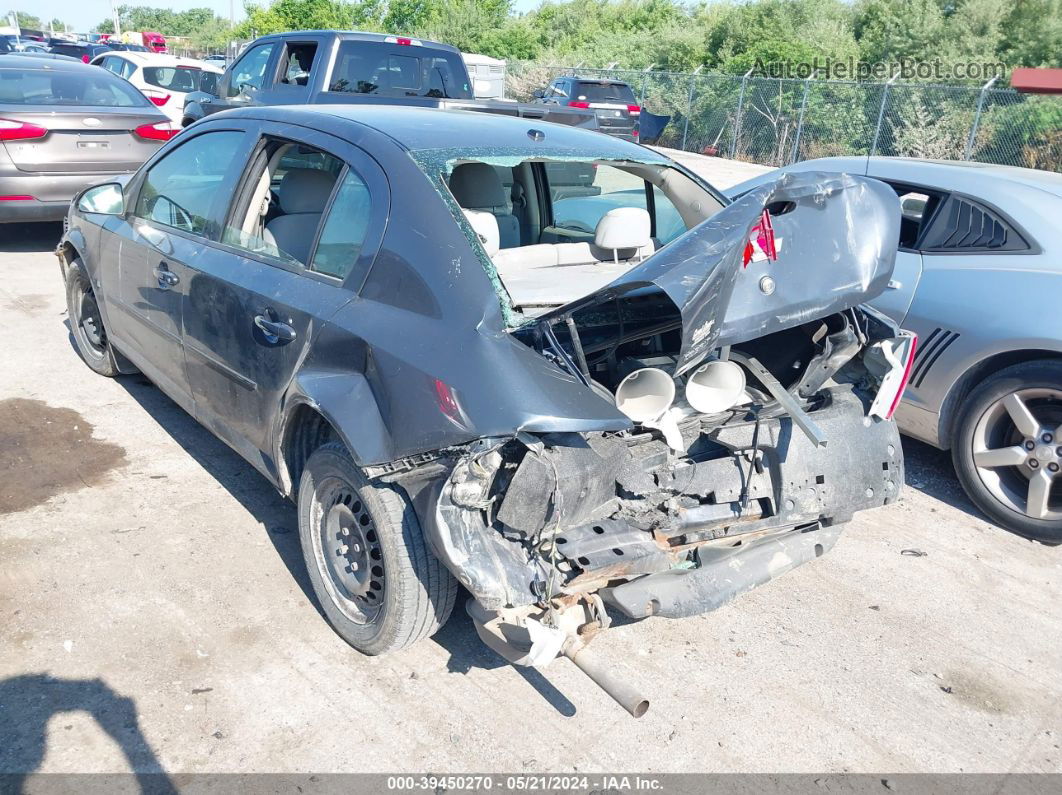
[25,20]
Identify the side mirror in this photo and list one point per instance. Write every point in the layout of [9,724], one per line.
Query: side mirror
[106,199]
[539,93]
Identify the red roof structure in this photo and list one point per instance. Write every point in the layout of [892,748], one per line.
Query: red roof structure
[1037,81]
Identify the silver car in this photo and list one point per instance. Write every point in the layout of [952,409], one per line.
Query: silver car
[979,279]
[64,126]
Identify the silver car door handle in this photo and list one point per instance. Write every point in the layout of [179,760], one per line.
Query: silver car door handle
[894,285]
[274,331]
[166,278]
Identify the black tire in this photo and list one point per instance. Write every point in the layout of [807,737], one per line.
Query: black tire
[971,422]
[406,594]
[86,323]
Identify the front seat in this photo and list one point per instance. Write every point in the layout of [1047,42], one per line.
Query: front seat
[477,186]
[303,194]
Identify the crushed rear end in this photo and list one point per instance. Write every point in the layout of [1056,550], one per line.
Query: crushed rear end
[746,400]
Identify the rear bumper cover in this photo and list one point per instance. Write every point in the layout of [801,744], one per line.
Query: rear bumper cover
[680,593]
[32,210]
[797,498]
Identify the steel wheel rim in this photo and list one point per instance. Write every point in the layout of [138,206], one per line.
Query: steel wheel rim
[89,323]
[1017,453]
[347,551]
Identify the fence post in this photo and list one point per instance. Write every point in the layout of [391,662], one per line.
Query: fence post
[881,114]
[977,118]
[735,128]
[689,105]
[800,122]
[645,76]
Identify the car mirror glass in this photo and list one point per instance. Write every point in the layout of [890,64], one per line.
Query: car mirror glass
[105,199]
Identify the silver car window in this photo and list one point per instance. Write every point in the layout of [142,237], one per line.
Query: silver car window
[179,190]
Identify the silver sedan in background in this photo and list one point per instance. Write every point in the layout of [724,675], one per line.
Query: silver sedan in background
[65,125]
[979,278]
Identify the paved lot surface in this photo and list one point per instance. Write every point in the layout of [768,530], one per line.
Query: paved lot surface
[154,612]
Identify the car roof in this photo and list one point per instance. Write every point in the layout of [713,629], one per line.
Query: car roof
[354,35]
[419,129]
[156,58]
[604,81]
[9,60]
[966,176]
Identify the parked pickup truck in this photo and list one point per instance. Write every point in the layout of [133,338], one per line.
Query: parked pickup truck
[323,66]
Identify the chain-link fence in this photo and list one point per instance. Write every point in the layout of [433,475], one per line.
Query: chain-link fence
[777,121]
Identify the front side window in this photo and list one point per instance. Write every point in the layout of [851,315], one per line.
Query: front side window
[181,189]
[251,68]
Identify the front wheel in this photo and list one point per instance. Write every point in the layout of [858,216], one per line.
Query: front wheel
[1007,451]
[86,322]
[377,581]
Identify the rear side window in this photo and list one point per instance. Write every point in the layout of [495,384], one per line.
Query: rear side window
[344,229]
[181,189]
[616,93]
[93,88]
[392,70]
[173,78]
[963,224]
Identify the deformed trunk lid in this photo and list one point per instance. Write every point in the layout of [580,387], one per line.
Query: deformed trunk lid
[836,243]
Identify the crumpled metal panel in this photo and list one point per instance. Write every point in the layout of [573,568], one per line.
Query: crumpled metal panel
[837,246]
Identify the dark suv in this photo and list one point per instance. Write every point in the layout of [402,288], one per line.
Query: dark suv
[83,50]
[616,398]
[612,101]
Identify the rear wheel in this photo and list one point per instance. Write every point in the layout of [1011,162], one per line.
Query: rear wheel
[86,322]
[377,581]
[1008,450]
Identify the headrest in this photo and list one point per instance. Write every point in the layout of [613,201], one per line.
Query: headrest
[485,225]
[624,228]
[477,185]
[305,190]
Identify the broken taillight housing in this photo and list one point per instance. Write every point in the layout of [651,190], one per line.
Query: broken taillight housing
[891,360]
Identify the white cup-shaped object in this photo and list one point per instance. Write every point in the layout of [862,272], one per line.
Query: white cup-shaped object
[715,387]
[645,394]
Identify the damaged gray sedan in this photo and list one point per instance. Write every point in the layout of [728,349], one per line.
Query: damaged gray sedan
[552,366]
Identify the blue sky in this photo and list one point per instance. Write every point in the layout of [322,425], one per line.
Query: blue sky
[85,14]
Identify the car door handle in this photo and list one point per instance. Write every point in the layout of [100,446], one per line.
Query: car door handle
[894,285]
[166,277]
[274,331]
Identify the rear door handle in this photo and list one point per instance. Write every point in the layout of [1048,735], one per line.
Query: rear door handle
[274,331]
[166,277]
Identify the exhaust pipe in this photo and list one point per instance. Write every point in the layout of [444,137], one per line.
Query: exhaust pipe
[624,694]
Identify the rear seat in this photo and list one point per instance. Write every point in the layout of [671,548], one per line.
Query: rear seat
[622,235]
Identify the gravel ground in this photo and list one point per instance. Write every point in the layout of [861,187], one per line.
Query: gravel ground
[154,613]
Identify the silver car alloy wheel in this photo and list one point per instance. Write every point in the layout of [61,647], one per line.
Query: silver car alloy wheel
[1018,453]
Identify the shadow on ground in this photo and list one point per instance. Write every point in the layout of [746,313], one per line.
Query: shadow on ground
[278,519]
[25,238]
[28,703]
[929,470]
